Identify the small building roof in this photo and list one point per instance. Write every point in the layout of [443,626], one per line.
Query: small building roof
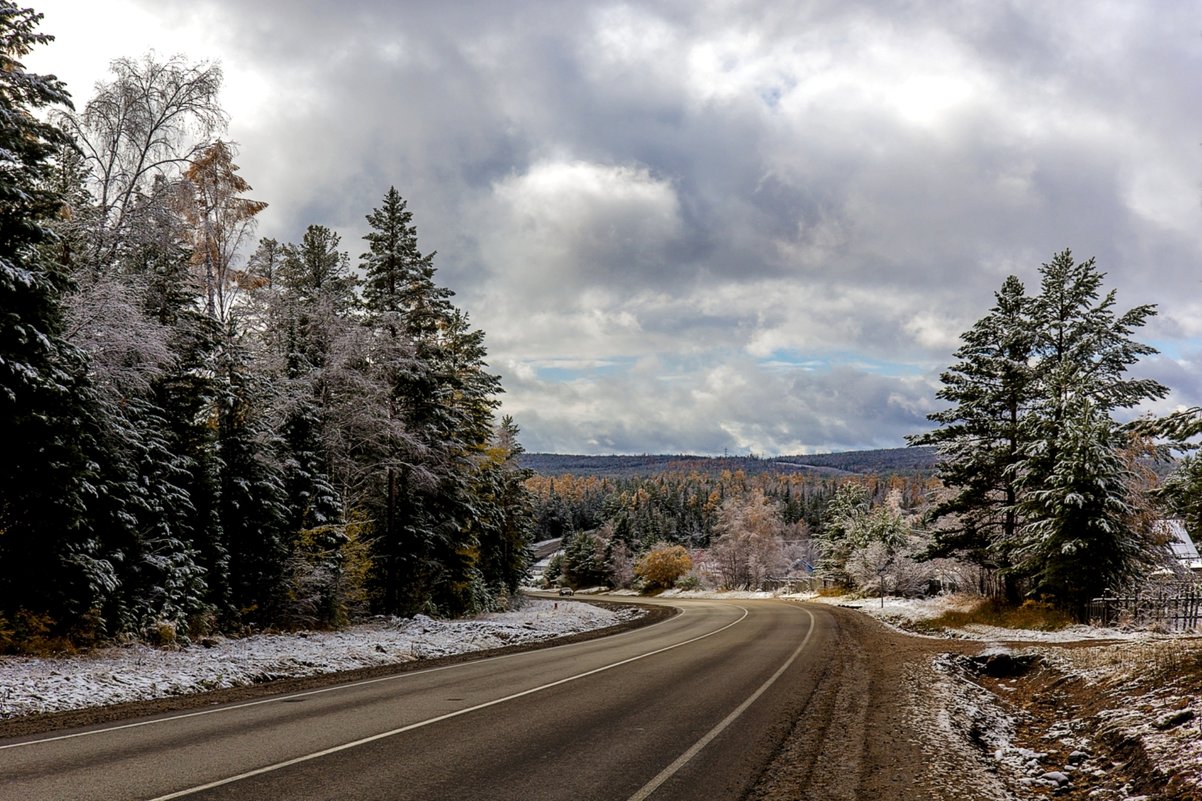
[1181,544]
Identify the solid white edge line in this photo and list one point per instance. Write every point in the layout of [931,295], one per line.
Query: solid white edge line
[668,772]
[420,724]
[334,688]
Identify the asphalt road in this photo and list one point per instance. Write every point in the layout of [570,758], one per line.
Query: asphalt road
[694,707]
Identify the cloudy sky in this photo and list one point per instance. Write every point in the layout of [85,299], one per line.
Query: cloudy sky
[704,226]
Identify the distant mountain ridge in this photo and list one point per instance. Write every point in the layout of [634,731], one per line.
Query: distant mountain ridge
[881,461]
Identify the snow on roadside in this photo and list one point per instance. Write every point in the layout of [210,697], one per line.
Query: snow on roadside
[1152,698]
[903,613]
[738,595]
[958,723]
[30,685]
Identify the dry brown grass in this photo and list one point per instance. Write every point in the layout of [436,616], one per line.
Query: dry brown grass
[1152,662]
[32,634]
[1032,615]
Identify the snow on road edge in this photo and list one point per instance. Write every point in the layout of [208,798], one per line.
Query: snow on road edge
[30,685]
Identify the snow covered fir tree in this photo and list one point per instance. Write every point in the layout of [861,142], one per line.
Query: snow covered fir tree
[1042,480]
[203,438]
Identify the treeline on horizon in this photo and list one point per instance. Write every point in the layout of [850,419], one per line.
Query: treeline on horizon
[203,438]
[917,460]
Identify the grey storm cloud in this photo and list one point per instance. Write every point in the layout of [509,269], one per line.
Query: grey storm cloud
[755,226]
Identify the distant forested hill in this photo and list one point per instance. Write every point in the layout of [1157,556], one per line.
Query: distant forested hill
[889,460]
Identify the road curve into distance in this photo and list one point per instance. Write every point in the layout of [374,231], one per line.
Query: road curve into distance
[693,707]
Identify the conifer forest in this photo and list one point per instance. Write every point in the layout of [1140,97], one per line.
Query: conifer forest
[207,430]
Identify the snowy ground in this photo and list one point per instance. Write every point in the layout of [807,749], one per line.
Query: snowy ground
[902,613]
[1141,694]
[113,675]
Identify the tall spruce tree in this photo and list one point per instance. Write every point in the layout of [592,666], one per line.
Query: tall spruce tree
[1031,453]
[979,439]
[50,561]
[254,516]
[442,396]
[188,395]
[1082,537]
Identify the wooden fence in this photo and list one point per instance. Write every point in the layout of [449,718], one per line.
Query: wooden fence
[1178,607]
[809,583]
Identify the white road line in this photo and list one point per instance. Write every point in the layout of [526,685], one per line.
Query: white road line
[384,735]
[307,693]
[668,772]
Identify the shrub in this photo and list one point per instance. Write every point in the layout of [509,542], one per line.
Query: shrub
[162,633]
[32,633]
[663,565]
[553,573]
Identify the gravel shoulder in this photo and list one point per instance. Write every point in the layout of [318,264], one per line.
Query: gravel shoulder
[872,730]
[920,717]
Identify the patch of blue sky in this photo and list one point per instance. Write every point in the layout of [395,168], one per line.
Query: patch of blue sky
[771,96]
[794,360]
[561,370]
[774,93]
[1177,349]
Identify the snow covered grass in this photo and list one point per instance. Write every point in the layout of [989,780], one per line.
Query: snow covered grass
[1152,697]
[31,685]
[938,616]
[738,595]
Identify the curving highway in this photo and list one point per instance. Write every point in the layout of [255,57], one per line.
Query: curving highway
[693,707]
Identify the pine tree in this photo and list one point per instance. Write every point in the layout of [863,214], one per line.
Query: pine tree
[254,517]
[144,514]
[979,438]
[188,395]
[1081,539]
[318,292]
[1071,445]
[1032,455]
[1181,494]
[392,258]
[50,561]
[847,510]
[326,418]
[442,396]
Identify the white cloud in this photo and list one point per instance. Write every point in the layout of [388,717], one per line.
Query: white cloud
[713,225]
[589,224]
